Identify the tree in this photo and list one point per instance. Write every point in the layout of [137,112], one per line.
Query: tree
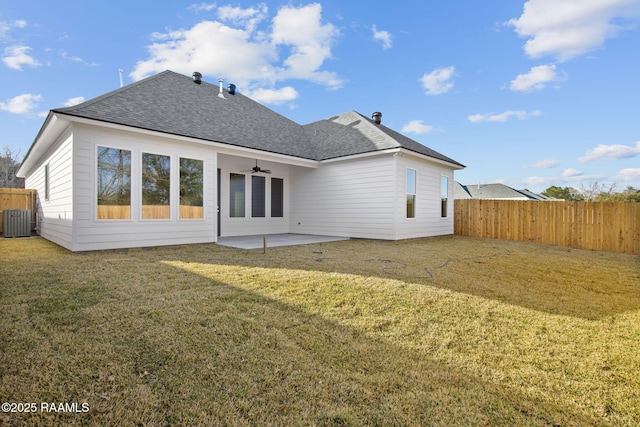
[630,194]
[593,191]
[9,165]
[565,193]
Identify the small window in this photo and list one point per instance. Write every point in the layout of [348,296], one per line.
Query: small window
[258,188]
[114,183]
[191,191]
[156,186]
[236,195]
[411,193]
[46,182]
[444,196]
[277,197]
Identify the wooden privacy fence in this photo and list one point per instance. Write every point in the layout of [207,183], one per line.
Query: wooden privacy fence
[613,227]
[17,198]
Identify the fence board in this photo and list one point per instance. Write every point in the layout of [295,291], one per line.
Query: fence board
[602,226]
[17,198]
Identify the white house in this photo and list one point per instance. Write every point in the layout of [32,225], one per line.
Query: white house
[175,160]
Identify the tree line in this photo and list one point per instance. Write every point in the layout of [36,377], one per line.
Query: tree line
[594,192]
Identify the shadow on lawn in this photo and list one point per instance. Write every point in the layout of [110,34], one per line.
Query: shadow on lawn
[578,283]
[185,349]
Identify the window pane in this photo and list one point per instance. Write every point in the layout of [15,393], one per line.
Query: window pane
[411,193]
[156,182]
[258,196]
[411,206]
[411,181]
[46,181]
[191,193]
[277,197]
[114,183]
[236,195]
[444,196]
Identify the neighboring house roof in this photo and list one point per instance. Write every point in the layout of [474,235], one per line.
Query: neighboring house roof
[174,104]
[493,191]
[460,191]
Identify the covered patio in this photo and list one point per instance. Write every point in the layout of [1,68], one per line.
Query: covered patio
[274,240]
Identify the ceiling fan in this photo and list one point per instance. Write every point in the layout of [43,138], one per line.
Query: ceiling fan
[257,169]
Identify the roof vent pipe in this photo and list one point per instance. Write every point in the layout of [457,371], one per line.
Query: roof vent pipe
[197,77]
[377,117]
[232,89]
[220,94]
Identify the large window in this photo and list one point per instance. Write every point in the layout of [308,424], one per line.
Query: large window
[444,196]
[411,193]
[114,183]
[191,191]
[277,197]
[236,195]
[156,186]
[258,196]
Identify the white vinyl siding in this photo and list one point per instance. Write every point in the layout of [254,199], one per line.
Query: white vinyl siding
[428,220]
[351,198]
[91,233]
[248,224]
[55,215]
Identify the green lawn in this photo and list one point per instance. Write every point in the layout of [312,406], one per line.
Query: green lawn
[439,331]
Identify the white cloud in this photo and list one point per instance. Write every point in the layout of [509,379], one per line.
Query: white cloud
[503,117]
[571,172]
[202,7]
[416,126]
[569,28]
[438,81]
[629,174]
[610,152]
[568,177]
[382,36]
[537,78]
[247,18]
[274,96]
[17,56]
[6,27]
[65,55]
[310,42]
[239,51]
[74,101]
[21,104]
[544,164]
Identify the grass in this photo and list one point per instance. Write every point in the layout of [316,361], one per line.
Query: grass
[439,331]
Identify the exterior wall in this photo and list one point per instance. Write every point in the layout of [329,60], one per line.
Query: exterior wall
[428,220]
[55,215]
[91,233]
[348,198]
[247,225]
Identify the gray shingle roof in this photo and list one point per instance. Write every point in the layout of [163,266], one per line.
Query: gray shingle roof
[172,103]
[352,133]
[493,191]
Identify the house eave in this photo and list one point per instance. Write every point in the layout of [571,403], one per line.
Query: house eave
[53,126]
[220,146]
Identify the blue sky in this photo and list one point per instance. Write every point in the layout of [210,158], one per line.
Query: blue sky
[530,94]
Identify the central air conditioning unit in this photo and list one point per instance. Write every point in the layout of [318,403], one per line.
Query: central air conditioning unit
[16,223]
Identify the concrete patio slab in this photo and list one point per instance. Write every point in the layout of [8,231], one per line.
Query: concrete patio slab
[274,240]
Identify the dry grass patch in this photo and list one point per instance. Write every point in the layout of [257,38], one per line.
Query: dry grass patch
[438,331]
